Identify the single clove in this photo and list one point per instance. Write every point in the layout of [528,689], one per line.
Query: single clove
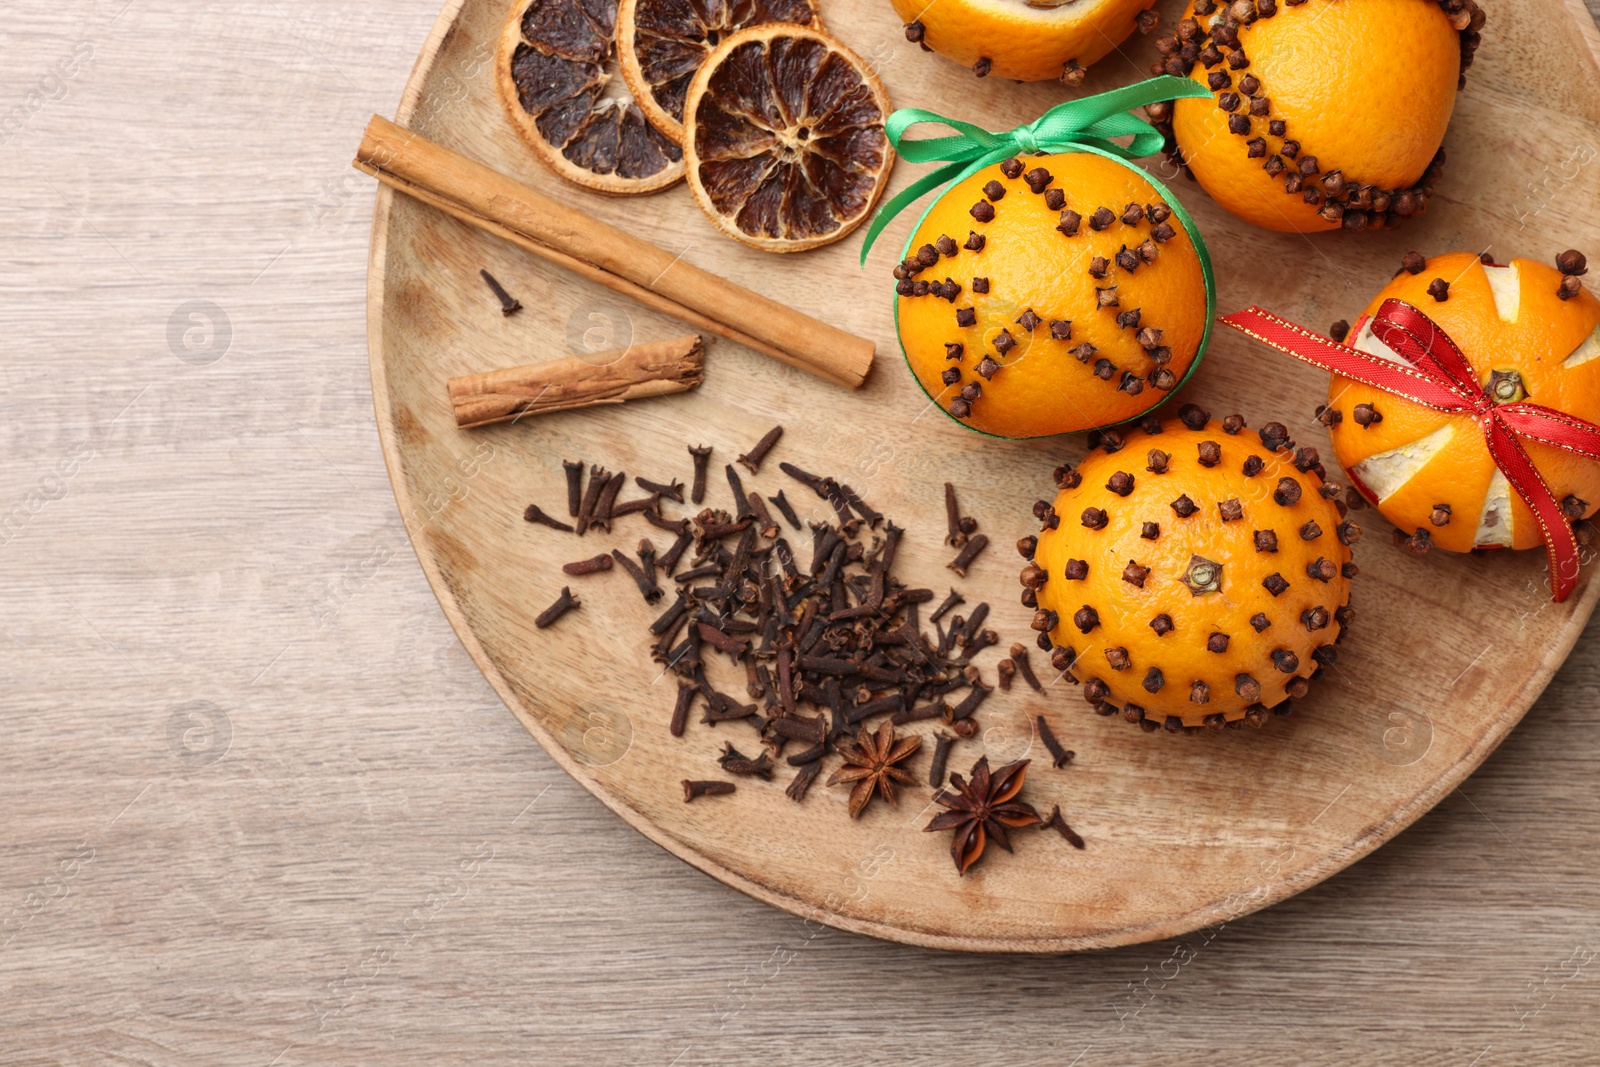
[646,504]
[735,762]
[797,789]
[781,502]
[751,460]
[508,303]
[680,711]
[954,538]
[598,479]
[954,600]
[535,514]
[702,458]
[968,554]
[672,491]
[691,789]
[941,756]
[564,603]
[597,565]
[1059,824]
[1019,657]
[1059,755]
[648,586]
[574,469]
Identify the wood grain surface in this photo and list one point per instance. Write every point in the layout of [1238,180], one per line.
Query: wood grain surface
[263,809]
[1186,832]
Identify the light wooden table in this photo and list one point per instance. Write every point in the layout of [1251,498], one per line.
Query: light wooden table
[258,806]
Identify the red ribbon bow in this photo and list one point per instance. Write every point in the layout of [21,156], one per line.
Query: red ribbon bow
[1437,375]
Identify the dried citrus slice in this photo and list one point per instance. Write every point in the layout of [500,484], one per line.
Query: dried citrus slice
[661,43]
[783,138]
[552,76]
[1050,294]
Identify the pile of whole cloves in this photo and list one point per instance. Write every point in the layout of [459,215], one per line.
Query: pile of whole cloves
[832,644]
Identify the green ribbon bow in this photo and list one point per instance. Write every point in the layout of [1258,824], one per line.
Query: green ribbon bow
[1087,124]
[1083,125]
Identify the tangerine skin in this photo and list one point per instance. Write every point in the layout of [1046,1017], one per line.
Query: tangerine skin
[1125,610]
[1376,108]
[1023,43]
[1546,331]
[1043,389]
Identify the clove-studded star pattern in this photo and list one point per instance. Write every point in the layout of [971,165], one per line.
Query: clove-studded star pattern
[1089,251]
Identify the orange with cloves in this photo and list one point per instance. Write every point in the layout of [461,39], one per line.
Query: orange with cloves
[1191,573]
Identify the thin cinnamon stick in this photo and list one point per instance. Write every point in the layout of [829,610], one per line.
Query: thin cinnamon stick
[638,371]
[567,236]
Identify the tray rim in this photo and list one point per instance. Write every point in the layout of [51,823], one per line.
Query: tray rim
[1332,862]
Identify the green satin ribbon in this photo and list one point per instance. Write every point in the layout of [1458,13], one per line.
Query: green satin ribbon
[1088,125]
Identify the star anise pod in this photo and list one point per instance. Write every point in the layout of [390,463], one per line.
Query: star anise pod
[871,763]
[982,809]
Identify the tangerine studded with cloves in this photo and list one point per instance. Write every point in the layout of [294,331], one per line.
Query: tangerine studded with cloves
[1025,40]
[1061,290]
[1203,595]
[1430,473]
[1323,114]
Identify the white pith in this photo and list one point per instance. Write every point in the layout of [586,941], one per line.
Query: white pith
[1367,341]
[1494,525]
[1587,349]
[1386,472]
[1505,285]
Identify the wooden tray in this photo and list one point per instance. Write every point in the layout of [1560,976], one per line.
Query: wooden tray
[1446,655]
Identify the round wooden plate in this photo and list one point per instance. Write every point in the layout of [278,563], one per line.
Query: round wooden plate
[1445,656]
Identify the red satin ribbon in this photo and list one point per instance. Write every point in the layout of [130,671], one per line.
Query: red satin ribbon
[1437,375]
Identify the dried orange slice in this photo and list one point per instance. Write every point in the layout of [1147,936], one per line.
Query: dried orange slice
[661,43]
[783,138]
[552,76]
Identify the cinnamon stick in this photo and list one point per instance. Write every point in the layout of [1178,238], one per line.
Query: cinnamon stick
[567,236]
[638,371]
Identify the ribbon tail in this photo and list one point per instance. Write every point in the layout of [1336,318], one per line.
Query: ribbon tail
[950,172]
[968,139]
[1409,381]
[1561,546]
[1095,120]
[1145,142]
[1554,428]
